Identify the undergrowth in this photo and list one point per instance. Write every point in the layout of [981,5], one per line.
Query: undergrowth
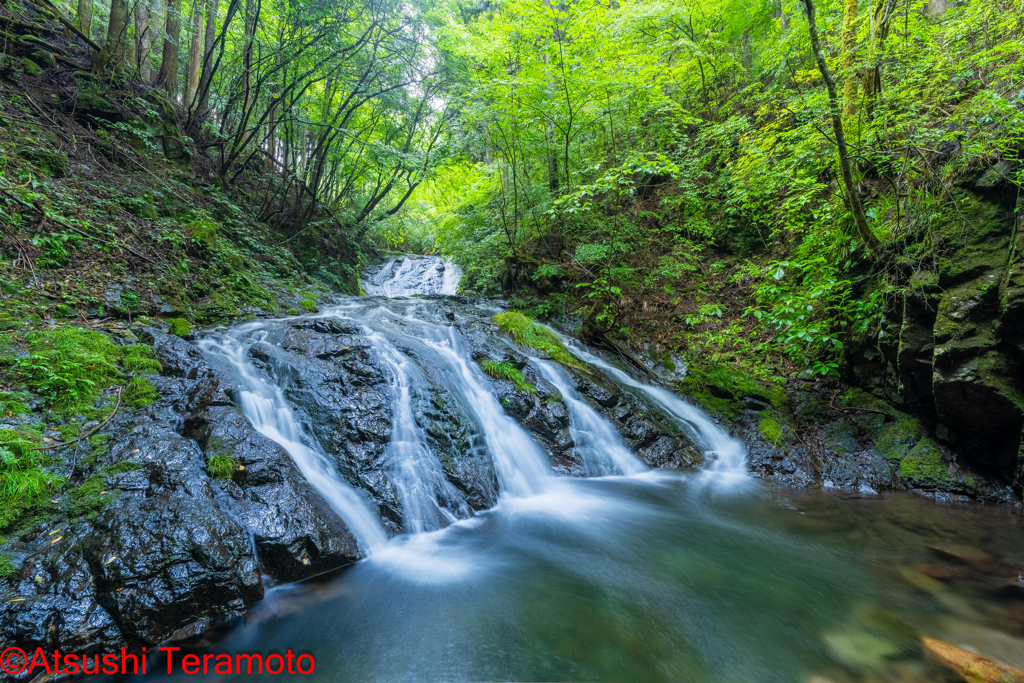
[528,333]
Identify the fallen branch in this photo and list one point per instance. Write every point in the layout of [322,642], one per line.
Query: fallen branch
[88,433]
[45,4]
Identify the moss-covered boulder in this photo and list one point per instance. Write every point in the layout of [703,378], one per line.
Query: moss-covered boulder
[53,164]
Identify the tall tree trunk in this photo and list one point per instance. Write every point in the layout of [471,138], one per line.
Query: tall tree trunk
[849,42]
[143,39]
[211,26]
[195,52]
[168,76]
[83,20]
[115,50]
[936,7]
[863,230]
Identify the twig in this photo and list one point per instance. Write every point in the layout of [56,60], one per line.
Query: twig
[88,433]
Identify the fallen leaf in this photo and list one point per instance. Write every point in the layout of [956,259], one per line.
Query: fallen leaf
[973,668]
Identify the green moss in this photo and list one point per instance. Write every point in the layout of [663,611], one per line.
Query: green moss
[121,467]
[771,430]
[140,358]
[204,232]
[507,371]
[526,332]
[308,304]
[924,465]
[7,568]
[222,466]
[90,497]
[139,393]
[180,327]
[896,440]
[293,311]
[52,164]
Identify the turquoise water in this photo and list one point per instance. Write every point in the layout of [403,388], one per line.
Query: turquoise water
[663,577]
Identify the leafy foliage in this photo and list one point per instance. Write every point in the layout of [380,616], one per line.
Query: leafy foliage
[528,333]
[507,371]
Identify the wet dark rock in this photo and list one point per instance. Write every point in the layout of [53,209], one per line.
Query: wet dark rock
[166,550]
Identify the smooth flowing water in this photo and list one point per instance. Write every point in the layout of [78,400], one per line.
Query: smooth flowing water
[634,575]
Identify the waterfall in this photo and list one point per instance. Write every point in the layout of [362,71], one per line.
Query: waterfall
[429,501]
[731,457]
[597,442]
[410,274]
[265,406]
[520,465]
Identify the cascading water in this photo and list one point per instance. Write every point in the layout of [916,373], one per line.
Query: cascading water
[410,274]
[429,501]
[596,441]
[265,406]
[519,463]
[731,460]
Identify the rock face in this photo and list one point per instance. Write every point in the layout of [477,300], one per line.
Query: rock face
[953,354]
[159,549]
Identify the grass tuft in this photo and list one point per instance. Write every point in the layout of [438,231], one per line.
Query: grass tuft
[222,466]
[505,370]
[528,333]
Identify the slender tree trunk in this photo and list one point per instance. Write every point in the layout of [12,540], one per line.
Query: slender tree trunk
[168,76]
[863,230]
[250,32]
[872,79]
[115,50]
[143,39]
[195,52]
[156,34]
[849,42]
[83,20]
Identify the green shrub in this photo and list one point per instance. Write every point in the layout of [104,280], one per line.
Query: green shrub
[507,371]
[528,333]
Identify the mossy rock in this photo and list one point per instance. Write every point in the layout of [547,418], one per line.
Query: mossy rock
[204,232]
[44,59]
[52,164]
[143,207]
[772,431]
[180,327]
[30,68]
[506,371]
[924,465]
[896,440]
[528,333]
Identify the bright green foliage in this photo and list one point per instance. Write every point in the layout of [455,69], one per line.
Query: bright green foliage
[222,466]
[528,333]
[23,483]
[308,303]
[505,370]
[69,366]
[180,327]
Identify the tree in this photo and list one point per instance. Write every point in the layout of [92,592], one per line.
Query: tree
[115,50]
[863,230]
[168,75]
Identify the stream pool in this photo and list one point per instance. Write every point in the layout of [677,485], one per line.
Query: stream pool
[663,577]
